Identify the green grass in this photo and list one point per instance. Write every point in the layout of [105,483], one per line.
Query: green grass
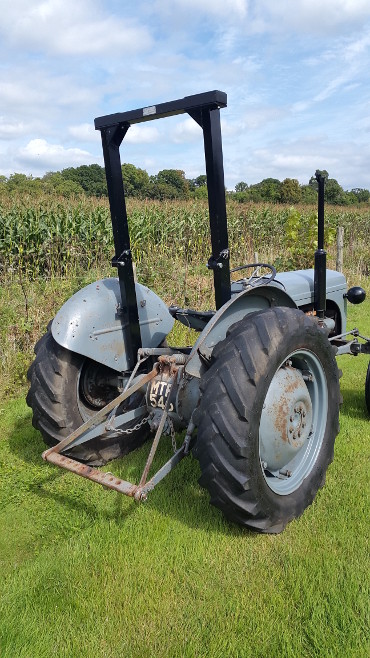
[85,572]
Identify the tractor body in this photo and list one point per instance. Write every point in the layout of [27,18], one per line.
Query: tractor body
[257,394]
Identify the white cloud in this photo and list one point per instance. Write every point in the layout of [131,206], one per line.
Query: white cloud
[70,28]
[11,129]
[289,67]
[299,159]
[259,116]
[39,155]
[84,132]
[186,131]
[142,134]
[251,17]
[310,16]
[229,9]
[36,90]
[341,69]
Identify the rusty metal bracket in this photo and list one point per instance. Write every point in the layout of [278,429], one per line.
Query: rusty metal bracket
[99,415]
[155,443]
[105,479]
[108,480]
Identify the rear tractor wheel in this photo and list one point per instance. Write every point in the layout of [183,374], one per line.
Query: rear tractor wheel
[66,389]
[268,418]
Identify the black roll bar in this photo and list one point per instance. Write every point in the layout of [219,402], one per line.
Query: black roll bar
[205,110]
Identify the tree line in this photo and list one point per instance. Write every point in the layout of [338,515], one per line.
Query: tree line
[173,184]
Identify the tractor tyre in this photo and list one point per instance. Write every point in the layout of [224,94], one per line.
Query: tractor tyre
[367,388]
[268,417]
[66,389]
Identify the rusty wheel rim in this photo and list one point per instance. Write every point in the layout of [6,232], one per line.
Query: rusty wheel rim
[293,422]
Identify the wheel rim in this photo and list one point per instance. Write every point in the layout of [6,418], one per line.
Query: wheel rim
[293,422]
[95,388]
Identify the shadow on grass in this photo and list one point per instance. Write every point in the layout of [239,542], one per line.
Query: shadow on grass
[354,405]
[181,497]
[26,444]
[178,496]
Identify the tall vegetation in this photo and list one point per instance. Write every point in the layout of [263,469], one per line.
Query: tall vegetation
[90,180]
[47,235]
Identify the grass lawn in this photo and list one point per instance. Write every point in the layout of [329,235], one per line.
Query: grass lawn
[86,572]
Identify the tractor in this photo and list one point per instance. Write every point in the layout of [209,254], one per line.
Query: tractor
[257,394]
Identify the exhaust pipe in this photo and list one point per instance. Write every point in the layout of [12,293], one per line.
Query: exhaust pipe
[320,253]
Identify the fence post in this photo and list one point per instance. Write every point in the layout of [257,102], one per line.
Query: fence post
[340,240]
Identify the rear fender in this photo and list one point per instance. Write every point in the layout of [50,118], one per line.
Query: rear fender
[240,305]
[89,324]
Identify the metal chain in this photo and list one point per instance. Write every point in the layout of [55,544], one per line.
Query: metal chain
[130,430]
[173,434]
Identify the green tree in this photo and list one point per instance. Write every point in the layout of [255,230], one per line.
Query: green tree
[20,183]
[267,190]
[241,187]
[290,191]
[334,193]
[308,194]
[135,181]
[90,177]
[169,184]
[54,183]
[199,181]
[313,182]
[198,187]
[201,192]
[362,195]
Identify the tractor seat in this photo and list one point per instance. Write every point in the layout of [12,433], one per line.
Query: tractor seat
[190,318]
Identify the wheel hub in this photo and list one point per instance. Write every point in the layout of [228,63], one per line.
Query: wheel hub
[97,385]
[286,419]
[297,423]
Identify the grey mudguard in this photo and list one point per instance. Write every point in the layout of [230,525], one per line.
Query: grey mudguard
[293,289]
[240,304]
[300,287]
[88,323]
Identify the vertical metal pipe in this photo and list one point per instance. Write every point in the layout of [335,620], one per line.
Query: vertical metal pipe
[217,203]
[320,210]
[320,253]
[111,140]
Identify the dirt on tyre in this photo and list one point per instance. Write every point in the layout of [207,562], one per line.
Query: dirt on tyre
[66,389]
[268,418]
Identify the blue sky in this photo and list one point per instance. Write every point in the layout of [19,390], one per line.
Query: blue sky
[296,73]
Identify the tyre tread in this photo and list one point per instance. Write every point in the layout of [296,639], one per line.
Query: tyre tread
[55,412]
[227,415]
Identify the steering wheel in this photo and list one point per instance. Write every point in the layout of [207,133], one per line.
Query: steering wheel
[256,279]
